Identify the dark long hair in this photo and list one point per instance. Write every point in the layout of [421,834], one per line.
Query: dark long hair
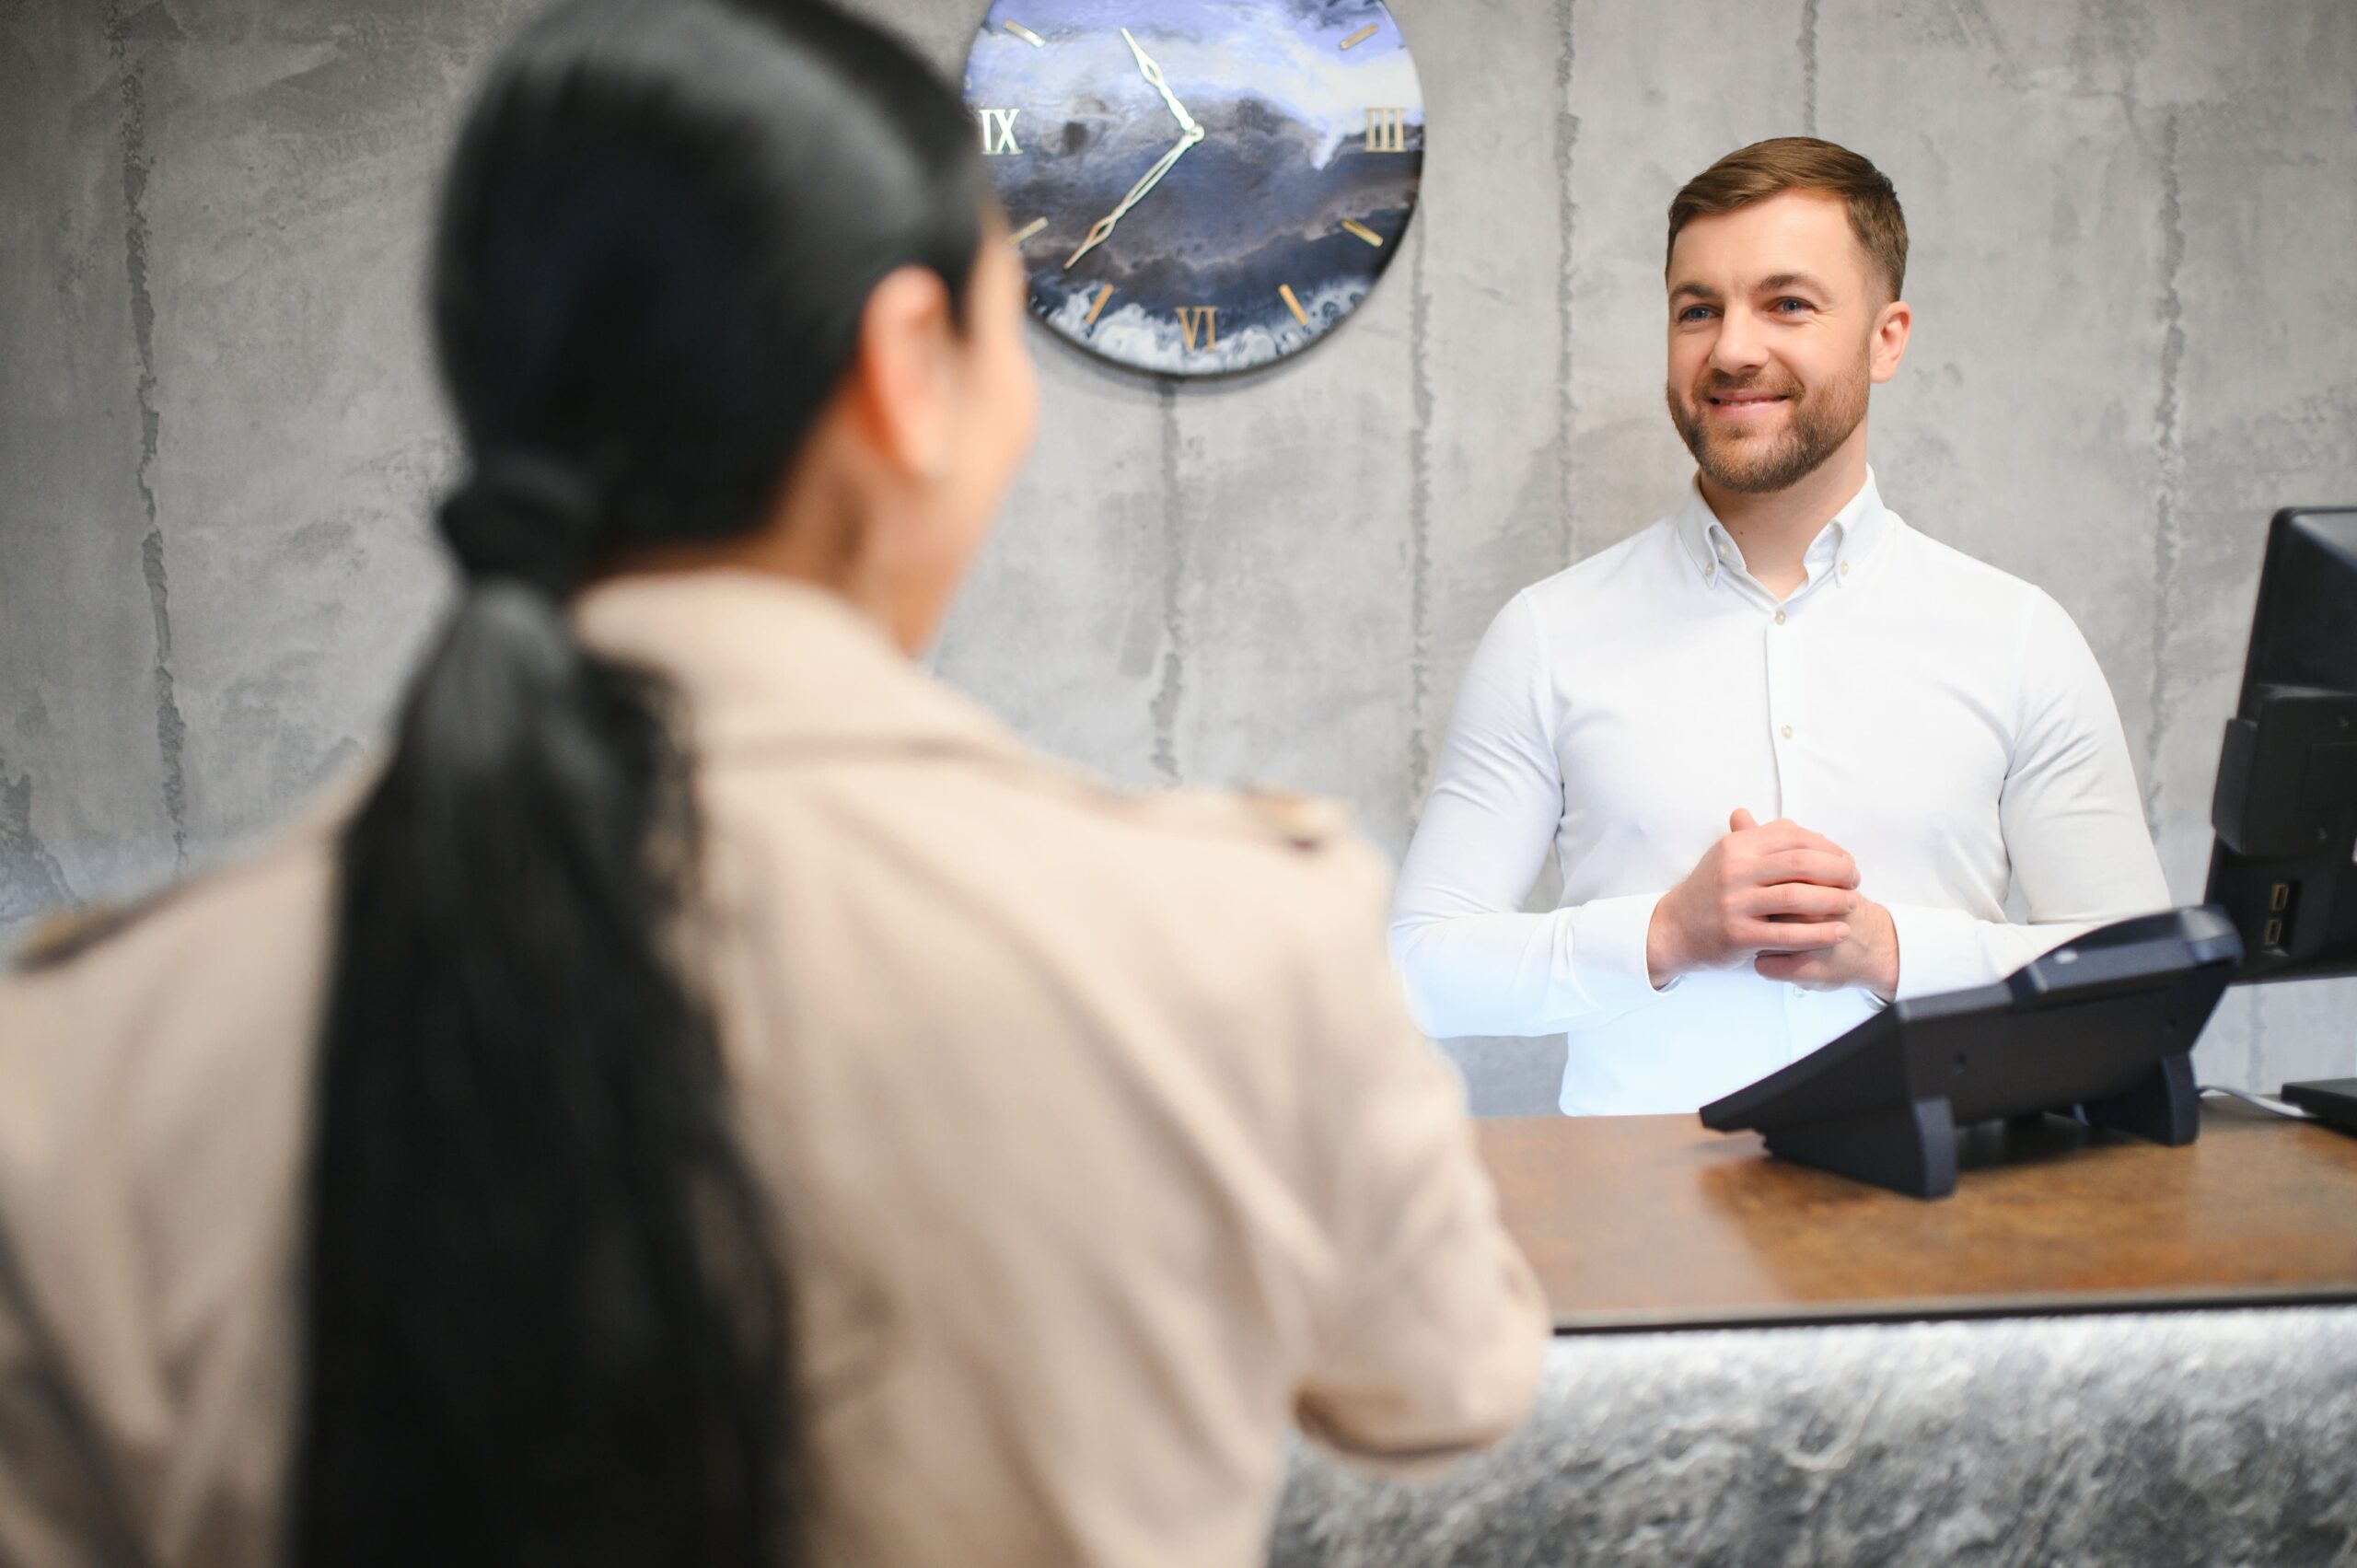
[548,1309]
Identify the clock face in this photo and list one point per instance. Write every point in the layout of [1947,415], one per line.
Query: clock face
[1198,186]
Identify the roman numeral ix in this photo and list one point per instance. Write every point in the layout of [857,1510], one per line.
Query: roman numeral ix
[998,132]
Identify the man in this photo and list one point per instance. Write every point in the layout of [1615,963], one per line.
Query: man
[1789,751]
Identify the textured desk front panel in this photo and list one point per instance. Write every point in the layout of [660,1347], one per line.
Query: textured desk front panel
[2133,1440]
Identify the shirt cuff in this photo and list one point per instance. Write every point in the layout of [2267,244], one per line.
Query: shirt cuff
[1607,958]
[1939,950]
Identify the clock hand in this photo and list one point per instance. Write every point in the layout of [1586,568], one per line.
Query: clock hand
[1194,133]
[1104,226]
[1152,73]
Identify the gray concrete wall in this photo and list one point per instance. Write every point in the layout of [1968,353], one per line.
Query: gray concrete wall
[2132,228]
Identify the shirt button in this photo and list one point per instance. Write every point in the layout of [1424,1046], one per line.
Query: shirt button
[1788,732]
[1845,568]
[1779,618]
[1712,570]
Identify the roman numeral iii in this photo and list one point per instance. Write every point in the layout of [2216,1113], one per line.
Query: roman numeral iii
[1387,130]
[998,131]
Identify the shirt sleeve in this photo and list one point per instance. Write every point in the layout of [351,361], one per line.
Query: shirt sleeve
[1430,1330]
[2072,820]
[1473,963]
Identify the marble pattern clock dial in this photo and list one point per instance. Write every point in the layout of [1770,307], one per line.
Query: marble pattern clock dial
[1198,186]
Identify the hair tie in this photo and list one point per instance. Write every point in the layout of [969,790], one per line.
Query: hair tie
[525,519]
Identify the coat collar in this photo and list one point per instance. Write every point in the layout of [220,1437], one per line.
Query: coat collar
[766,662]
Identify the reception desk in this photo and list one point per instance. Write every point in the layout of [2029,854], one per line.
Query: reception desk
[2096,1352]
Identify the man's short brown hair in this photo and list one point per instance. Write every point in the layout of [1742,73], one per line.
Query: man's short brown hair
[1802,163]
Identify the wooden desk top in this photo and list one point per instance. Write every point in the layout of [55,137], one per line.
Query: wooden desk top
[1654,1221]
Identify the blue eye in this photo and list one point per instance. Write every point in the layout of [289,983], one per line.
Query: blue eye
[1693,313]
[1796,304]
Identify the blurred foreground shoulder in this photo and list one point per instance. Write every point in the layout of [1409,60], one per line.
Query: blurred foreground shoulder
[1431,1330]
[153,1079]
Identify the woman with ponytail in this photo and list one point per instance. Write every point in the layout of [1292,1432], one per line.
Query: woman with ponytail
[709,1097]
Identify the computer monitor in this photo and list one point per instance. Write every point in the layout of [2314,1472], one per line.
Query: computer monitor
[2285,862]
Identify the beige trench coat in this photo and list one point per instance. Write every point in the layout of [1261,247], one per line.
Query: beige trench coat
[1107,1146]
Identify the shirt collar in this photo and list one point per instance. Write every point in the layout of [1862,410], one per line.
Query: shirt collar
[764,661]
[1848,541]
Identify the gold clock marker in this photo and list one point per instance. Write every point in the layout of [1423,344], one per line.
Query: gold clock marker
[1360,230]
[1028,230]
[1201,319]
[1361,36]
[1387,130]
[1097,310]
[1292,303]
[1033,39]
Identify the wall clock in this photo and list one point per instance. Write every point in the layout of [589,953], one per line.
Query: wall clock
[1198,186]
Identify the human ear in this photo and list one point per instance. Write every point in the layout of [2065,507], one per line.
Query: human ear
[1890,344]
[903,374]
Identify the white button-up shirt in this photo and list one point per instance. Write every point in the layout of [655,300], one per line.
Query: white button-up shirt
[1944,722]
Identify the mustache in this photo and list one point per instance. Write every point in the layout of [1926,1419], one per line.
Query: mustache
[1714,383]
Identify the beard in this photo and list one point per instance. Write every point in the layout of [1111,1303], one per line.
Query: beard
[1752,463]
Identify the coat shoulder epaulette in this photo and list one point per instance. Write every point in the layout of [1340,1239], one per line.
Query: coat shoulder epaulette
[1304,823]
[59,939]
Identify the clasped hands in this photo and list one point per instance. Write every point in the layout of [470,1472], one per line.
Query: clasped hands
[1782,898]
